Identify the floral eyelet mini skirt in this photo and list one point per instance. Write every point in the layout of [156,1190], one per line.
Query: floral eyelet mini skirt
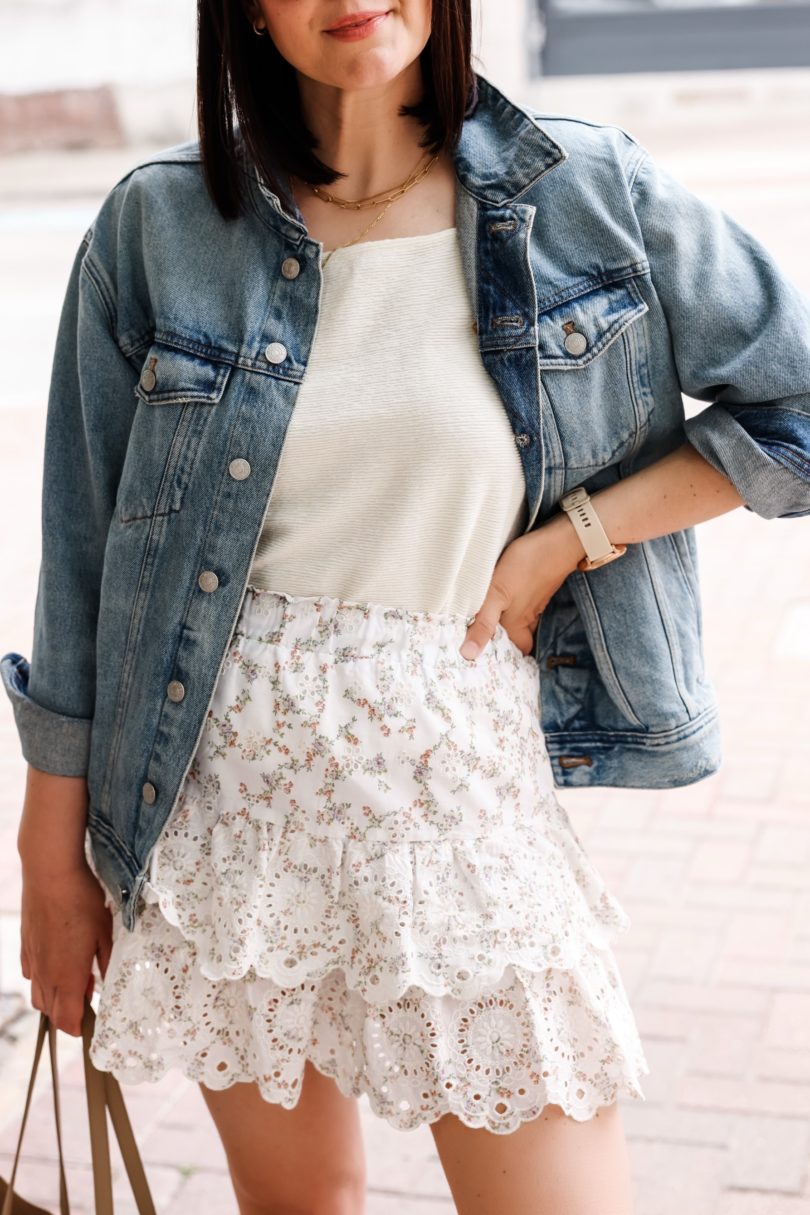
[366,866]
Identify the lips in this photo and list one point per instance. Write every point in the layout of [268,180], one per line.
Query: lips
[354,20]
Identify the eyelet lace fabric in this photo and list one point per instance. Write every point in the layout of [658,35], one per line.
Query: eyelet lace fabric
[367,866]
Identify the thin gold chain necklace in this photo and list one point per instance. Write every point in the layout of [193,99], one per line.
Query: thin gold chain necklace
[357,204]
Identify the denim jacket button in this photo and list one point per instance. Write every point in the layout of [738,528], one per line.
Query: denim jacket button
[149,793]
[523,440]
[576,343]
[175,690]
[275,352]
[208,581]
[239,469]
[291,267]
[148,379]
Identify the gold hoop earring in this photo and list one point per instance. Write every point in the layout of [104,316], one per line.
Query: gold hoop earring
[259,29]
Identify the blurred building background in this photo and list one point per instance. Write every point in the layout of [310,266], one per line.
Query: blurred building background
[609,37]
[716,876]
[101,72]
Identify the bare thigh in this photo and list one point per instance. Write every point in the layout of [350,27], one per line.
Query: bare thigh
[285,1162]
[548,1165]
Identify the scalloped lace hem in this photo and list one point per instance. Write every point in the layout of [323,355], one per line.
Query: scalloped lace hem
[403,1116]
[466,976]
[446,914]
[562,1037]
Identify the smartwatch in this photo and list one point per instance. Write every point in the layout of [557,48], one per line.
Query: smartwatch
[599,550]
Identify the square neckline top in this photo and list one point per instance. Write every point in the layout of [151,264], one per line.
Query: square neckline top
[397,241]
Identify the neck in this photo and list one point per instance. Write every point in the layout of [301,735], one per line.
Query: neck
[361,134]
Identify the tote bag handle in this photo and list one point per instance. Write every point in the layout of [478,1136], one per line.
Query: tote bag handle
[10,1201]
[103,1093]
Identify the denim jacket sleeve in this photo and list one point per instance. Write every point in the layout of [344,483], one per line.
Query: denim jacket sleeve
[90,407]
[741,340]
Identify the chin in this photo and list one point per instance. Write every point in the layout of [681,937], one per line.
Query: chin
[373,70]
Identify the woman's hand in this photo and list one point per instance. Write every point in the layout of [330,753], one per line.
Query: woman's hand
[65,924]
[65,920]
[673,493]
[528,572]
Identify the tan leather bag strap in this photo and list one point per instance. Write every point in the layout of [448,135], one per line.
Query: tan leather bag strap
[129,1148]
[103,1093]
[45,1026]
[64,1204]
[97,1116]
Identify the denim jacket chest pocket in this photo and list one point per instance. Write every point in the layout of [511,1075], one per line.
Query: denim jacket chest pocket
[593,364]
[176,390]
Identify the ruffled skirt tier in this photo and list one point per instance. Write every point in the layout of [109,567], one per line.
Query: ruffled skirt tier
[367,866]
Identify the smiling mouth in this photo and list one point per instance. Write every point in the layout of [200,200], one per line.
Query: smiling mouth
[354,25]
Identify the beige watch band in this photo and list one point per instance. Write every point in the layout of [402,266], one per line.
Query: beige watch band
[598,548]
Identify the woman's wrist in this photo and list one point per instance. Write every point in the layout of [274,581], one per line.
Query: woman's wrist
[51,833]
[560,539]
[677,491]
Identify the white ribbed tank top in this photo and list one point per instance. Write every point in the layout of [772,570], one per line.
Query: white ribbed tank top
[399,481]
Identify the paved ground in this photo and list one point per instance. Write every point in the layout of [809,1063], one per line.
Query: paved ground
[716,877]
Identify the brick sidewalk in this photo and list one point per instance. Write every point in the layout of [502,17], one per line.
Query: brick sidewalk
[715,877]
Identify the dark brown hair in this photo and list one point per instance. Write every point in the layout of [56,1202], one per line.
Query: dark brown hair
[243,79]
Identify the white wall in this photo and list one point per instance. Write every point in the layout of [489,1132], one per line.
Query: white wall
[505,35]
[49,44]
[145,49]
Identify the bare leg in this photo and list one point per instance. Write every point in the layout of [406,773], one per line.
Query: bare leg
[549,1165]
[305,1161]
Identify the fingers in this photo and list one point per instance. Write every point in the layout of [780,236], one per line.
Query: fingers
[67,1010]
[486,620]
[38,1000]
[60,936]
[64,1007]
[103,954]
[524,639]
[24,963]
[477,637]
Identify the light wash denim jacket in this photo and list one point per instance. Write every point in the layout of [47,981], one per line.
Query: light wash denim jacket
[601,287]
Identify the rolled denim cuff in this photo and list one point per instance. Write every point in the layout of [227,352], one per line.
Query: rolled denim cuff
[766,486]
[50,741]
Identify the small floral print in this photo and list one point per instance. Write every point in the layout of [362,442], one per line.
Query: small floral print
[367,866]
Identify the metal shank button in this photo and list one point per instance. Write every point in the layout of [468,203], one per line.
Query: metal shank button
[148,379]
[275,352]
[175,690]
[149,793]
[208,581]
[291,267]
[576,343]
[523,440]
[239,469]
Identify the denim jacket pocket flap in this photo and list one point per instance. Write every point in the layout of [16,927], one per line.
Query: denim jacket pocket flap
[573,334]
[172,376]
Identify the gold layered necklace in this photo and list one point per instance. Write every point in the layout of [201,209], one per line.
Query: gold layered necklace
[373,200]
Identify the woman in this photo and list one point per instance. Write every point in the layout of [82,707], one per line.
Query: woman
[307,841]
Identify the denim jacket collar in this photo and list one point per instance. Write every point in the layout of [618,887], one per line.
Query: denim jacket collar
[501,153]
[502,150]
